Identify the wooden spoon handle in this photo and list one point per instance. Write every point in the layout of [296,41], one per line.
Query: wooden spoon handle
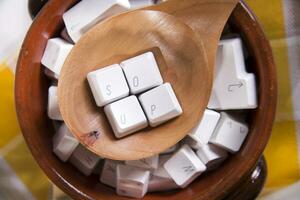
[207,18]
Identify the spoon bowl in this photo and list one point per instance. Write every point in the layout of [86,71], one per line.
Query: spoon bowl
[182,62]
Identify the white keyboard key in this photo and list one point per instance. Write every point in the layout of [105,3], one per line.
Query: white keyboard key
[158,184]
[184,166]
[55,54]
[53,108]
[84,160]
[132,181]
[201,134]
[126,116]
[229,133]
[212,156]
[85,14]
[161,171]
[150,163]
[233,87]
[160,180]
[135,4]
[172,149]
[108,84]
[109,172]
[160,104]
[142,73]
[64,143]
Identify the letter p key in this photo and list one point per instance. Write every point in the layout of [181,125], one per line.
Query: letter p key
[153,108]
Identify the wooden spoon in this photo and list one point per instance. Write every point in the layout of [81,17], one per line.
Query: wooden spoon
[182,62]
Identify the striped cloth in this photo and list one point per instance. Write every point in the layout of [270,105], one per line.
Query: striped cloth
[281,22]
[21,178]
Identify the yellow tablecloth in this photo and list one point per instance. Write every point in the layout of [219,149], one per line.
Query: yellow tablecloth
[21,177]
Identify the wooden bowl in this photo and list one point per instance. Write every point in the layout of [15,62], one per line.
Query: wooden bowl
[31,89]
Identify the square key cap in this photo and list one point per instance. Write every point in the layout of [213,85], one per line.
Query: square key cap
[132,181]
[55,54]
[161,171]
[160,104]
[211,155]
[64,143]
[184,166]
[109,172]
[85,14]
[229,133]
[126,116]
[53,108]
[84,160]
[201,134]
[108,84]
[142,72]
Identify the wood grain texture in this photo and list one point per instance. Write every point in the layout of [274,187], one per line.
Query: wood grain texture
[31,101]
[182,62]
[205,17]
